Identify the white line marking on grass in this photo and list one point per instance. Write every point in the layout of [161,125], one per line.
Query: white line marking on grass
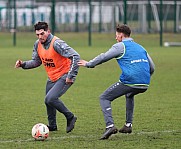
[69,137]
[88,136]
[155,132]
[50,138]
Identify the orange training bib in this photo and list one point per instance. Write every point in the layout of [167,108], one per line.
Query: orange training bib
[55,64]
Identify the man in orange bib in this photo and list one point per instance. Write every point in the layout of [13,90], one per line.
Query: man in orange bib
[60,62]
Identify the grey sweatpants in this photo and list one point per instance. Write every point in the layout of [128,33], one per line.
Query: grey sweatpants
[114,91]
[54,90]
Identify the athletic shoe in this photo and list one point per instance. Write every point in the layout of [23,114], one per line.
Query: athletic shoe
[71,124]
[126,129]
[109,132]
[52,128]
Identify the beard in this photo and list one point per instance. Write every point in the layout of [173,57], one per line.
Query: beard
[42,41]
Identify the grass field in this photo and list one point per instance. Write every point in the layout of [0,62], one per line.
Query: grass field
[157,117]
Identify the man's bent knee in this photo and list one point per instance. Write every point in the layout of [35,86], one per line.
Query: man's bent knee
[49,100]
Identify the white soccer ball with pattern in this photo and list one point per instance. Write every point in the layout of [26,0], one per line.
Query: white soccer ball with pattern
[40,132]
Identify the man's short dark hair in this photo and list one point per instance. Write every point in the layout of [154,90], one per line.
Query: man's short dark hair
[123,29]
[41,25]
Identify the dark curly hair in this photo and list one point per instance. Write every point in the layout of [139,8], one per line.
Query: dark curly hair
[123,29]
[41,25]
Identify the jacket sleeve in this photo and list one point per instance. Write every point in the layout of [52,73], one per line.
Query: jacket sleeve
[151,63]
[35,61]
[115,51]
[65,50]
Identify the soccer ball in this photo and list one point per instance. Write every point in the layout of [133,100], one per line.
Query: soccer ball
[40,132]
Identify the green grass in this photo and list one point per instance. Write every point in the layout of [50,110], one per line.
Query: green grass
[157,120]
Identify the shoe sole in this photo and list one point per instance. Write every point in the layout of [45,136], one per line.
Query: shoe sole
[53,130]
[125,132]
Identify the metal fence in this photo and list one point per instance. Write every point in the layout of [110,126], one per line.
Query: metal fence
[77,15]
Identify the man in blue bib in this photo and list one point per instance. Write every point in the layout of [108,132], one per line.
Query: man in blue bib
[137,68]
